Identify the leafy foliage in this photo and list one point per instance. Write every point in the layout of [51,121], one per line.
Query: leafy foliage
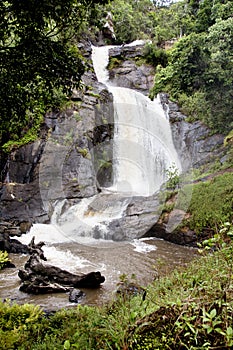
[3,259]
[173,179]
[38,56]
[154,55]
[200,65]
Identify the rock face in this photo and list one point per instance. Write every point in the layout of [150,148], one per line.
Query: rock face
[129,69]
[71,159]
[140,214]
[194,142]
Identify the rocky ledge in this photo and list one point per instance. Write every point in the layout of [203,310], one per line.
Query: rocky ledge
[127,68]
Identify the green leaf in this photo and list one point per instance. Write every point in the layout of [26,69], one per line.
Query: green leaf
[67,345]
[213,313]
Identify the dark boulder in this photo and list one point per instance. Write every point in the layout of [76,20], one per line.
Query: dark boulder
[11,245]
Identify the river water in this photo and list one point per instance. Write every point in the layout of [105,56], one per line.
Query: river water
[146,259]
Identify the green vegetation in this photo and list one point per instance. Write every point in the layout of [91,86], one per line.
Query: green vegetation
[40,63]
[191,308]
[39,57]
[4,259]
[210,204]
[114,62]
[172,177]
[198,74]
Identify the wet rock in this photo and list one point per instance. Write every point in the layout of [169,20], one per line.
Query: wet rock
[125,51]
[140,214]
[9,264]
[76,295]
[14,246]
[9,228]
[22,202]
[194,142]
[183,236]
[25,226]
[63,162]
[128,71]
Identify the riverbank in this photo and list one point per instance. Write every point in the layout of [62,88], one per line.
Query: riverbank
[191,308]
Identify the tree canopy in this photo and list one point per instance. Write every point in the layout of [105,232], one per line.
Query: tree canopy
[199,71]
[38,58]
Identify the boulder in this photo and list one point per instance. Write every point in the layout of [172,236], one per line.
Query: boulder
[76,295]
[129,71]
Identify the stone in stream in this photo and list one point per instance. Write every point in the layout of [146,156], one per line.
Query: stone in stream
[76,295]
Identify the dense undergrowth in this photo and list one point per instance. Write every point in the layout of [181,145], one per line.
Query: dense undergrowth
[191,308]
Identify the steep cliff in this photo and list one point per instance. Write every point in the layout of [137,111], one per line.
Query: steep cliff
[71,159]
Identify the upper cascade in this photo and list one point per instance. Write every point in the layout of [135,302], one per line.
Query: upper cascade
[143,148]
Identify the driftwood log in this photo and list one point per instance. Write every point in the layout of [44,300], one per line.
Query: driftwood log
[11,245]
[40,278]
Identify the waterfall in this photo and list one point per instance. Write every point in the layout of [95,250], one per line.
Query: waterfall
[142,152]
[143,147]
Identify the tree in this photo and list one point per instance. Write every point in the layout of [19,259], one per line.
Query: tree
[184,72]
[199,75]
[219,79]
[37,58]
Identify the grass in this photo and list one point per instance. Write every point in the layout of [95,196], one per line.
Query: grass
[210,203]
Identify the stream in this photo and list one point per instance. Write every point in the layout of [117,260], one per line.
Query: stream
[145,258]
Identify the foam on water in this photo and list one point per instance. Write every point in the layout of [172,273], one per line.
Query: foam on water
[143,247]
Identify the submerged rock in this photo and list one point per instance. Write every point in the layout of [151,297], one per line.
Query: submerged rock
[76,295]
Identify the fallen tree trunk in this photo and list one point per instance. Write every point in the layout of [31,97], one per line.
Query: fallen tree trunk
[38,277]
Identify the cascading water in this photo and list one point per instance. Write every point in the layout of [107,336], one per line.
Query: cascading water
[143,147]
[142,152]
[79,238]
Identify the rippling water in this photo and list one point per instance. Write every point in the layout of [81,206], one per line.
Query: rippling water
[143,258]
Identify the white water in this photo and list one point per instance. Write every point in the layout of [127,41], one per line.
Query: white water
[143,150]
[143,147]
